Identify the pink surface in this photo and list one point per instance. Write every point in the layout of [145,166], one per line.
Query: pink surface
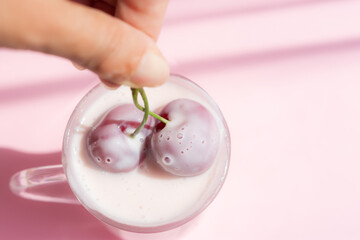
[286,76]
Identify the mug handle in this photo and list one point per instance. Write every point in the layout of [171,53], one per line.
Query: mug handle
[47,184]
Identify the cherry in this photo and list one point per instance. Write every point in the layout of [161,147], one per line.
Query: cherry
[109,143]
[188,143]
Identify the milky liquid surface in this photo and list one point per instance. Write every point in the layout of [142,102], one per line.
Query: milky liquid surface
[146,196]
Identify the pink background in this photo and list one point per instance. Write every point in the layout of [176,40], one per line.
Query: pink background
[286,74]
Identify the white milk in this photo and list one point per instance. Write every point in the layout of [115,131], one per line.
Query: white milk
[147,196]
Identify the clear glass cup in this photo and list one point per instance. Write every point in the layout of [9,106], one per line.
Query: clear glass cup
[51,183]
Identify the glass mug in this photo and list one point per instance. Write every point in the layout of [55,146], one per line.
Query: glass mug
[50,183]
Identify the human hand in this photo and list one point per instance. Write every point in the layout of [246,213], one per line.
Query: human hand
[116,39]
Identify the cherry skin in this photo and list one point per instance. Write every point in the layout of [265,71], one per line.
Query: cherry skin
[109,143]
[188,143]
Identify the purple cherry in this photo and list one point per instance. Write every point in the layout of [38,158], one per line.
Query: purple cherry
[109,143]
[187,145]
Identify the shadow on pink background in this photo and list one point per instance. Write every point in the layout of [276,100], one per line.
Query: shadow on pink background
[22,218]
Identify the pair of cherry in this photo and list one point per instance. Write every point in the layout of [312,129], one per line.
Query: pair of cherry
[186,145]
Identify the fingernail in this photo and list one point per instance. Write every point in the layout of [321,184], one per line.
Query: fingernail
[153,70]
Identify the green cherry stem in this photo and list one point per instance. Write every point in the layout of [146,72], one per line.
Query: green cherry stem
[145,109]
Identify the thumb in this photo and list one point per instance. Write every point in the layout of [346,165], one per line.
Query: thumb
[111,48]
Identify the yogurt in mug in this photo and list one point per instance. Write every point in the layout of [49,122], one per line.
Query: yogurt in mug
[145,199]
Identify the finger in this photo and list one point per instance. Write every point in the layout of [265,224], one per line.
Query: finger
[85,2]
[105,7]
[114,50]
[77,66]
[145,15]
